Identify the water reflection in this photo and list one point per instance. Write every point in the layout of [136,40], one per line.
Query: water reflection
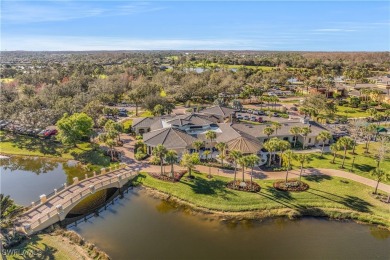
[379,233]
[26,178]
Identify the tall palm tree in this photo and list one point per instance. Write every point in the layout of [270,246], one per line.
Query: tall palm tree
[235,156]
[334,148]
[369,131]
[345,143]
[160,152]
[276,126]
[189,161]
[296,130]
[305,131]
[271,146]
[301,158]
[206,154]
[243,162]
[251,161]
[288,155]
[268,131]
[221,146]
[379,174]
[197,145]
[106,139]
[171,158]
[282,147]
[211,135]
[323,136]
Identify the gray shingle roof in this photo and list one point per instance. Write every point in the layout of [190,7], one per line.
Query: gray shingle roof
[171,138]
[190,119]
[218,110]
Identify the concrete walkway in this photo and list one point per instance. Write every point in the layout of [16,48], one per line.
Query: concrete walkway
[128,158]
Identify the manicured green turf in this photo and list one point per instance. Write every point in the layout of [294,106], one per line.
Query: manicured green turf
[325,193]
[34,146]
[351,112]
[364,163]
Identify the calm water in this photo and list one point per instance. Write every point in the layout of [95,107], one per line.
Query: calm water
[141,227]
[26,178]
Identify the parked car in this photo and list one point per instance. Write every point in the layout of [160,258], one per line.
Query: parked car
[253,119]
[122,114]
[246,117]
[50,132]
[276,115]
[260,120]
[294,108]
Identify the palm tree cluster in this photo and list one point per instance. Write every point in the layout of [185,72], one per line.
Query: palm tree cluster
[273,145]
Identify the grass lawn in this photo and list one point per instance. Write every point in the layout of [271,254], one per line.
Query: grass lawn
[351,112]
[33,146]
[146,113]
[364,163]
[325,195]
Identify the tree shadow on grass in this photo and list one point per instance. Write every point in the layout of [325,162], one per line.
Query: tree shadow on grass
[209,187]
[356,203]
[34,144]
[317,178]
[95,157]
[364,167]
[30,250]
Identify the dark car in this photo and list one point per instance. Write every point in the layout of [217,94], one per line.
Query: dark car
[276,115]
[294,108]
[122,114]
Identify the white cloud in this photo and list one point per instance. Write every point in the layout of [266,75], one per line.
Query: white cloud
[51,11]
[74,43]
[334,30]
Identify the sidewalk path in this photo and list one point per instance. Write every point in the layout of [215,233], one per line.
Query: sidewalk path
[128,157]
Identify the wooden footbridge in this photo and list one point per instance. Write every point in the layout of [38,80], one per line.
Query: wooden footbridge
[54,207]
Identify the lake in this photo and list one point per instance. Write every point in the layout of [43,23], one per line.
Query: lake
[139,226]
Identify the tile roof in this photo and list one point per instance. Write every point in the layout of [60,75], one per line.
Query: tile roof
[190,119]
[171,138]
[218,110]
[245,144]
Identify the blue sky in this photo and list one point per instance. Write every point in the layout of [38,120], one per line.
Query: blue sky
[186,25]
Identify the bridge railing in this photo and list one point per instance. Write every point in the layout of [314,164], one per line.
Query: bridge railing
[78,197]
[86,176]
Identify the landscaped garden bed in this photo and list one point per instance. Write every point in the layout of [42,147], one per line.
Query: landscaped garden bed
[166,177]
[244,186]
[291,185]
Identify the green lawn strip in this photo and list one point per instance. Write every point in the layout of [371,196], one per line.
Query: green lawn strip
[325,192]
[146,113]
[364,163]
[351,112]
[33,146]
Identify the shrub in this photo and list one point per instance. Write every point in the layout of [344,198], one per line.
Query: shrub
[140,156]
[373,104]
[363,106]
[155,160]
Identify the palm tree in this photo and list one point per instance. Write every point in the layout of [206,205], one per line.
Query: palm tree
[171,158]
[334,148]
[288,155]
[206,154]
[345,143]
[160,152]
[197,145]
[268,131]
[235,156]
[282,147]
[189,161]
[271,146]
[301,158]
[251,161]
[296,130]
[323,136]
[305,131]
[243,163]
[379,174]
[276,126]
[211,135]
[9,210]
[221,146]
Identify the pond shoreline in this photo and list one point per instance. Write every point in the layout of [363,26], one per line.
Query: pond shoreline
[262,215]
